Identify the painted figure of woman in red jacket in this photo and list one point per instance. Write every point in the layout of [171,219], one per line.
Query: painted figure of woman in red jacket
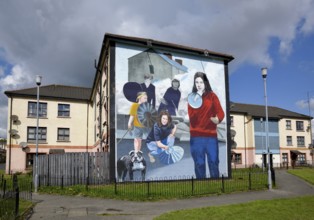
[203,128]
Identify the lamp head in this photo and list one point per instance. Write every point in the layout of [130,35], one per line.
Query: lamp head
[38,80]
[264,72]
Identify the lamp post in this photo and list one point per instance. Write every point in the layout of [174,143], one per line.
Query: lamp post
[263,150]
[311,136]
[38,83]
[264,75]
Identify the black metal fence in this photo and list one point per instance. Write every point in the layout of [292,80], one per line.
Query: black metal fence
[12,191]
[169,187]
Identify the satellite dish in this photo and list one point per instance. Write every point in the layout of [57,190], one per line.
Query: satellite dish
[15,136]
[13,132]
[233,144]
[14,118]
[23,144]
[26,149]
[233,133]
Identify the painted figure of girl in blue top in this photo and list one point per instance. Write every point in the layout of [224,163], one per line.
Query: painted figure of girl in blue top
[161,136]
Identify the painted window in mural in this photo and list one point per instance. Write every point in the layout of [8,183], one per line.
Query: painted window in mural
[171,115]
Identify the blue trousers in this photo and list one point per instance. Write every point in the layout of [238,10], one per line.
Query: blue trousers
[202,147]
[155,150]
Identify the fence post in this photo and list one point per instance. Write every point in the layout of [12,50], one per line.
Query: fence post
[17,201]
[87,182]
[4,187]
[62,182]
[273,177]
[148,190]
[115,186]
[250,181]
[15,181]
[192,180]
[31,190]
[223,183]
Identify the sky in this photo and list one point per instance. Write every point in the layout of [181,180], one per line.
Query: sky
[60,40]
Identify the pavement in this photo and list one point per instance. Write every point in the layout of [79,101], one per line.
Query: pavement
[77,207]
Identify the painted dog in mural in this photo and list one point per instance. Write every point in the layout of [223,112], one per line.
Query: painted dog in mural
[131,163]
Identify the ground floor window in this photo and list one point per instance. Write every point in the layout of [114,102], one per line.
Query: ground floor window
[236,158]
[301,159]
[29,160]
[284,157]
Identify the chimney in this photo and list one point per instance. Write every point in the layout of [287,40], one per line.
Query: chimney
[169,55]
[179,61]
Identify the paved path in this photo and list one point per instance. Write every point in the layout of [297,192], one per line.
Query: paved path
[66,207]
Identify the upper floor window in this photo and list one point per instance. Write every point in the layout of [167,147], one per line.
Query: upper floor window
[63,134]
[31,134]
[32,109]
[289,140]
[300,141]
[288,124]
[231,121]
[63,110]
[300,126]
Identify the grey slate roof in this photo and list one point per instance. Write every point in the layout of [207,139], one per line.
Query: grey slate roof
[54,92]
[259,111]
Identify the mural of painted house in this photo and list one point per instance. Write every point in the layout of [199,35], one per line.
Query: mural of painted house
[160,65]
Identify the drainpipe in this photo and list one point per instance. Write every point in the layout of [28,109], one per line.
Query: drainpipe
[100,108]
[10,141]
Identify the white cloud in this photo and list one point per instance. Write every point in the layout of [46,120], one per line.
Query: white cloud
[17,77]
[304,104]
[60,39]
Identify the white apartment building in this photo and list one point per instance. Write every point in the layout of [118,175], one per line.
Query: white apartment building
[65,123]
[289,134]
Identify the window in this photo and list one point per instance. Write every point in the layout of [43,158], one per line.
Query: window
[284,157]
[29,160]
[237,158]
[300,141]
[301,158]
[31,134]
[288,124]
[289,140]
[32,109]
[300,126]
[63,134]
[231,121]
[63,110]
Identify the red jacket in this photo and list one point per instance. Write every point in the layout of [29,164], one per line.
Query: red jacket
[200,122]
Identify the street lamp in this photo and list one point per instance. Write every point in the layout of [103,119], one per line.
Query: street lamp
[264,75]
[38,83]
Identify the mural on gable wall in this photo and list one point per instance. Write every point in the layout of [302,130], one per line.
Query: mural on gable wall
[167,116]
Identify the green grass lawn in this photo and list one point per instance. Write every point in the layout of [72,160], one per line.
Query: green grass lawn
[304,173]
[242,180]
[294,208]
